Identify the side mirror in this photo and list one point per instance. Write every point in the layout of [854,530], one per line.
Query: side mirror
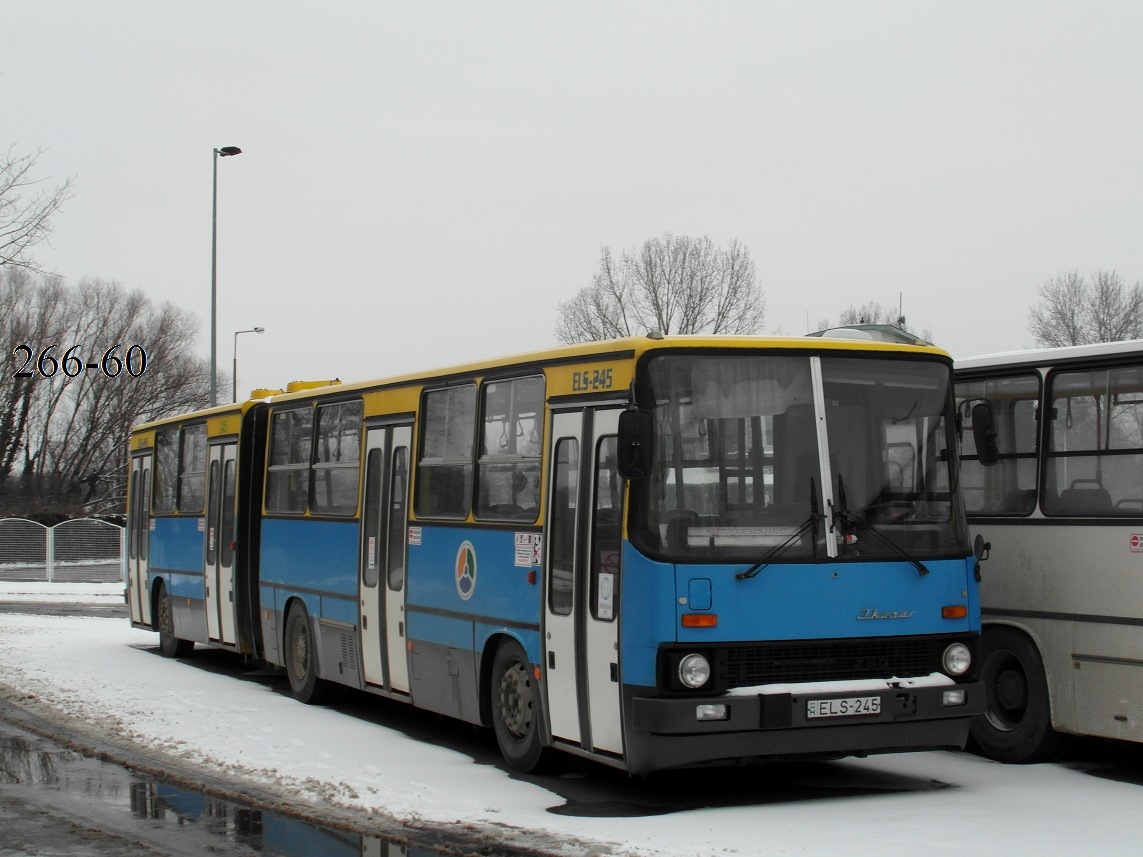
[635,444]
[980,549]
[984,433]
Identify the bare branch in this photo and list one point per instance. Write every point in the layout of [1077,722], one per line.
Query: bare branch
[26,208]
[673,284]
[1075,311]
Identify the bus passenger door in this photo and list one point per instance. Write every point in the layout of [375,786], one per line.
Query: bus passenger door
[381,578]
[601,585]
[581,609]
[138,538]
[219,548]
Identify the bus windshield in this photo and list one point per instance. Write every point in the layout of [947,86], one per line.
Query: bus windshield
[738,467]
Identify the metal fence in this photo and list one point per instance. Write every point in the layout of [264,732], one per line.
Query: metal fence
[85,550]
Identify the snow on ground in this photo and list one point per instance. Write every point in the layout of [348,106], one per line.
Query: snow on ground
[104,594]
[109,674]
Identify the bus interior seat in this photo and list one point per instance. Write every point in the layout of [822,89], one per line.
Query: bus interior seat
[1092,500]
[1021,500]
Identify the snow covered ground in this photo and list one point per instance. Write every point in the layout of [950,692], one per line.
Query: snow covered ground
[109,677]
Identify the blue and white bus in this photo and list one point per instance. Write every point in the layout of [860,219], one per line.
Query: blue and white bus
[654,552]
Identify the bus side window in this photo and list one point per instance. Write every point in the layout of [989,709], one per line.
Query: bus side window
[607,532]
[444,467]
[561,567]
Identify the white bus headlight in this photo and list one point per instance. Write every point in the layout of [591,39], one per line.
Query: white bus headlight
[694,670]
[957,659]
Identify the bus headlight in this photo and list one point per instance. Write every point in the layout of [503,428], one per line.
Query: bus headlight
[957,659]
[694,671]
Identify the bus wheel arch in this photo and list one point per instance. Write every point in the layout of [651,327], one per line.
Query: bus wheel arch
[164,622]
[512,701]
[1016,725]
[300,656]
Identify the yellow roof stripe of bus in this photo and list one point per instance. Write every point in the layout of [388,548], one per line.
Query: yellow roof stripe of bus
[566,377]
[602,354]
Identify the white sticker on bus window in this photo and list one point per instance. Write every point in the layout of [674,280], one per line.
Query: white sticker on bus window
[202,525]
[371,561]
[414,535]
[605,596]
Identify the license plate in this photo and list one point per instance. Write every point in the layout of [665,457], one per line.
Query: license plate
[852,706]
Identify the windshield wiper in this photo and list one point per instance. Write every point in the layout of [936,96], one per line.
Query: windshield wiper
[810,525]
[848,519]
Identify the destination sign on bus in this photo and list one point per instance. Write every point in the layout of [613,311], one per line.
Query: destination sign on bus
[590,380]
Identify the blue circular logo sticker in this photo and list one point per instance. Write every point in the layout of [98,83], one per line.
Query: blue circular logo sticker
[465,570]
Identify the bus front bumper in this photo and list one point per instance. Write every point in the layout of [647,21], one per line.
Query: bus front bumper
[679,732]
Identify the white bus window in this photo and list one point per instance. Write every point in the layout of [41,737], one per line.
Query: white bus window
[1094,460]
[1009,486]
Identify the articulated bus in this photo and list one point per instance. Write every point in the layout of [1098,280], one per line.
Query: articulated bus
[1053,480]
[655,552]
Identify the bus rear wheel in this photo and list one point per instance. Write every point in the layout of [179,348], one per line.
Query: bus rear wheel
[301,659]
[1017,722]
[170,645]
[516,709]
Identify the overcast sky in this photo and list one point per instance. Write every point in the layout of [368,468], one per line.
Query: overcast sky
[422,184]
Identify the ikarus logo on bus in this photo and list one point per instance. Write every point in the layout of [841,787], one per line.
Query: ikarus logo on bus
[465,570]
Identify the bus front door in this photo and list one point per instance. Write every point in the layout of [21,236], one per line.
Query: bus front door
[138,538]
[381,577]
[581,610]
[219,548]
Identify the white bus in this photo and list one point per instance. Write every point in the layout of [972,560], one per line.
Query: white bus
[1053,481]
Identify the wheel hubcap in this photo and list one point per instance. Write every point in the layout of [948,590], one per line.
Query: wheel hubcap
[301,653]
[516,700]
[1008,702]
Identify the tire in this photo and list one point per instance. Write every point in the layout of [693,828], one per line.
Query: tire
[515,705]
[1017,722]
[170,645]
[301,659]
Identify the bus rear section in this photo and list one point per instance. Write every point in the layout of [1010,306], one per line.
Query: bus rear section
[185,557]
[797,580]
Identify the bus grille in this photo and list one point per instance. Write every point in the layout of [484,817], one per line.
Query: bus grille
[784,663]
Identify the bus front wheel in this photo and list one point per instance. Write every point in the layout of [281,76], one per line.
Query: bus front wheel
[1017,722]
[301,659]
[515,709]
[170,645]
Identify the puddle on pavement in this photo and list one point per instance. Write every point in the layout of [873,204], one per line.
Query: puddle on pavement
[39,777]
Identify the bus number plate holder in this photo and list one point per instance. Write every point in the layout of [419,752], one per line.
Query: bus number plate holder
[851,706]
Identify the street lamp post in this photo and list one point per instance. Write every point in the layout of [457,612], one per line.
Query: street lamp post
[225,152]
[234,373]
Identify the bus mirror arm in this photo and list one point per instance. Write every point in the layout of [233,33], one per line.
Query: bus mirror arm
[981,550]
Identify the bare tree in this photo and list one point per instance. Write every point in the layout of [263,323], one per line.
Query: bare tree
[673,284]
[26,208]
[67,426]
[1077,311]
